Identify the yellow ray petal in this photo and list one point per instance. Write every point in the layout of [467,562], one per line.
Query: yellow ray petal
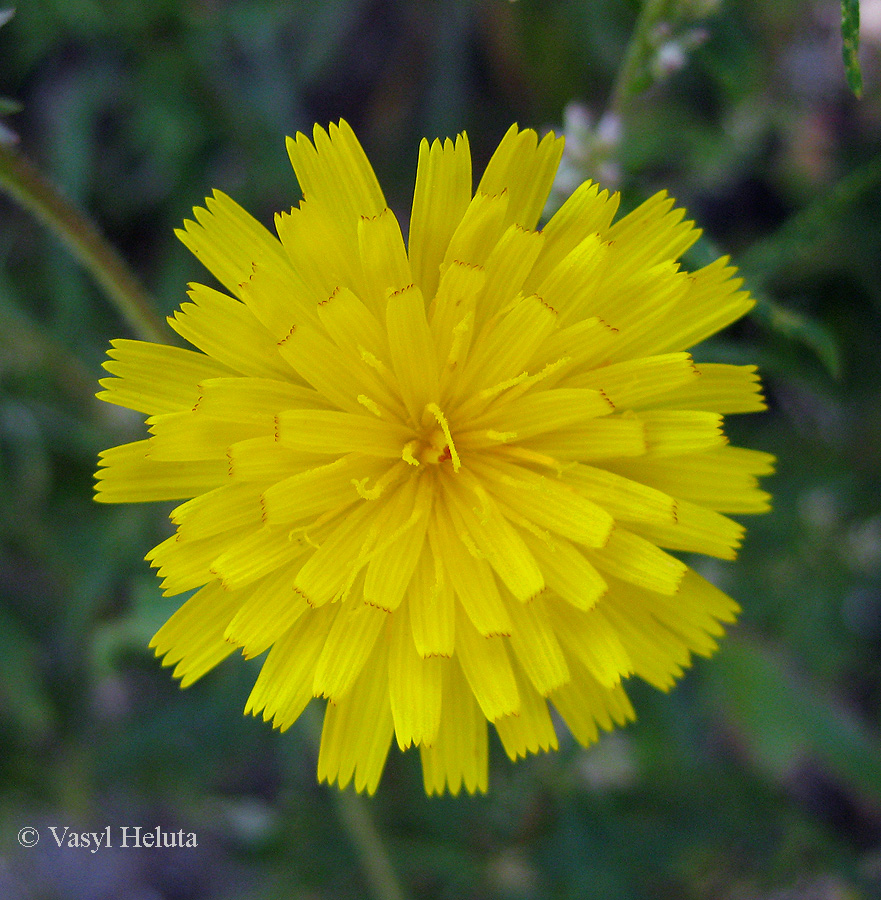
[432,604]
[284,685]
[412,350]
[227,330]
[696,530]
[531,730]
[494,537]
[359,335]
[606,438]
[487,667]
[128,475]
[721,388]
[459,755]
[588,211]
[654,232]
[546,502]
[228,240]
[575,281]
[507,344]
[334,432]
[184,436]
[404,526]
[478,232]
[588,637]
[336,172]
[585,704]
[695,615]
[471,577]
[699,602]
[349,643]
[322,247]
[536,646]
[279,298]
[358,730]
[415,686]
[329,570]
[253,400]
[625,499]
[678,431]
[259,553]
[351,324]
[271,608]
[314,358]
[540,412]
[441,196]
[452,313]
[659,655]
[711,303]
[584,344]
[525,169]
[155,379]
[566,570]
[313,491]
[723,479]
[641,303]
[507,266]
[265,460]
[636,560]
[383,258]
[193,637]
[631,384]
[224,508]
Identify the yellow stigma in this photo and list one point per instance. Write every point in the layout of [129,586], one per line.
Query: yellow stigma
[449,451]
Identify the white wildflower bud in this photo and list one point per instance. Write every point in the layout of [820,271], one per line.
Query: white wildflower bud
[669,59]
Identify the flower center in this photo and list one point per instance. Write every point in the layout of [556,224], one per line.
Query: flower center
[434,443]
[434,448]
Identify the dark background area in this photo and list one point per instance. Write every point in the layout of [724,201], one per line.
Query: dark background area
[759,776]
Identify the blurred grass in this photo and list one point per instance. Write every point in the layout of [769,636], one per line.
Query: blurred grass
[758,776]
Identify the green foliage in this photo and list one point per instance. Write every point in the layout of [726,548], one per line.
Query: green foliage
[850,39]
[7,106]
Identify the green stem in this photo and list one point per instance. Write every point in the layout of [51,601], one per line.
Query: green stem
[632,76]
[354,813]
[21,179]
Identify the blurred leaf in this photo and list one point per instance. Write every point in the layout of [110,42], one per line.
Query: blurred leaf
[21,685]
[790,324]
[787,719]
[801,328]
[791,244]
[131,632]
[850,44]
[807,228]
[5,16]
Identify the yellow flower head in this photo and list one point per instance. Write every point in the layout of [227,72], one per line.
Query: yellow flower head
[434,480]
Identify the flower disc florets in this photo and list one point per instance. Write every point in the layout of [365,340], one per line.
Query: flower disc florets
[434,480]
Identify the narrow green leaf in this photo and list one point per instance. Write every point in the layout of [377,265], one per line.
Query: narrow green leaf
[807,229]
[850,44]
[785,719]
[800,328]
[801,235]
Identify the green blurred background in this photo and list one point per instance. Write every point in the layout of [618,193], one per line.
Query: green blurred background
[759,776]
